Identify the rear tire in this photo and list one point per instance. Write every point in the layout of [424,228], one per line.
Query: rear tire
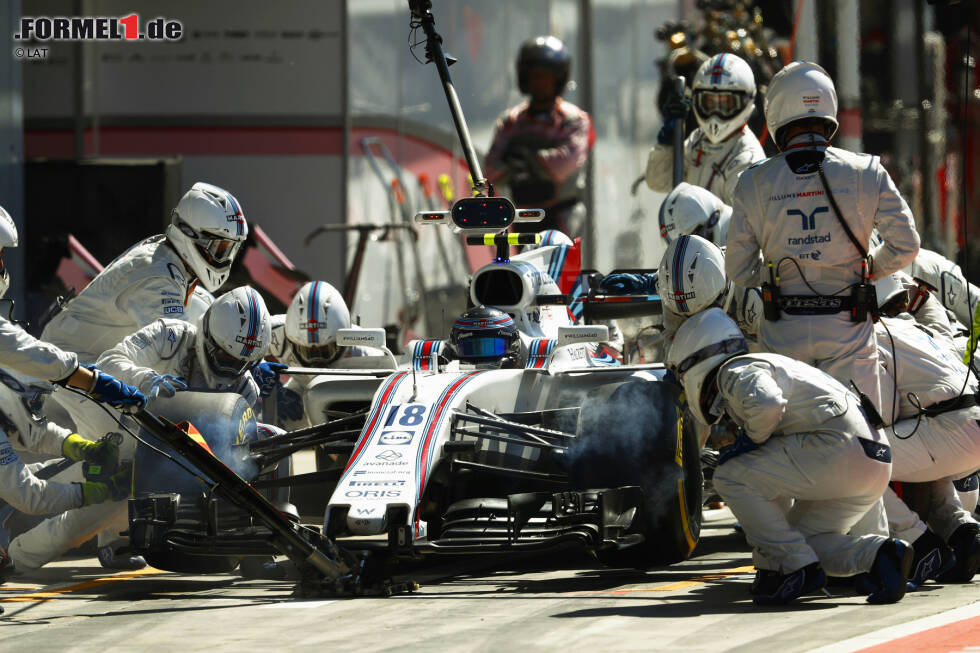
[636,436]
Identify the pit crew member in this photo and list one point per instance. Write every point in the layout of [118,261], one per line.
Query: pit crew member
[810,210]
[803,437]
[722,146]
[162,358]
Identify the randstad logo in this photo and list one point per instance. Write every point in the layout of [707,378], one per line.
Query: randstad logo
[812,239]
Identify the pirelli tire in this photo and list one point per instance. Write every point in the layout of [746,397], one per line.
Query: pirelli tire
[635,435]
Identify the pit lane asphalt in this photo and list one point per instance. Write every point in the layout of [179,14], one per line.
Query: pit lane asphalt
[546,602]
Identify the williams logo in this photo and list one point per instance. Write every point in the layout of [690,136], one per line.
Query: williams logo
[809,221]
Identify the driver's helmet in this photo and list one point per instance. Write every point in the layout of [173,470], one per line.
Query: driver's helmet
[486,336]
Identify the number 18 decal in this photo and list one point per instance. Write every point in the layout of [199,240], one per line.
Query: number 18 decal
[411,414]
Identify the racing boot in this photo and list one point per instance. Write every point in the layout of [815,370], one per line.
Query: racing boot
[121,559]
[773,588]
[890,572]
[763,578]
[965,541]
[932,558]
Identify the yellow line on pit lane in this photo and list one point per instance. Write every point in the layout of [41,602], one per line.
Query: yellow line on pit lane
[51,595]
[694,582]
[680,585]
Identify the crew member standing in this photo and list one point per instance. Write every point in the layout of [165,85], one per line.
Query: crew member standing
[810,210]
[722,146]
[541,145]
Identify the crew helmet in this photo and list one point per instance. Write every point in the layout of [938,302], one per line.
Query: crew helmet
[544,52]
[700,346]
[892,293]
[234,335]
[207,229]
[800,91]
[691,277]
[723,96]
[693,210]
[313,318]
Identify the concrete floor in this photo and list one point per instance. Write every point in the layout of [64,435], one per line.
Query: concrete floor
[544,603]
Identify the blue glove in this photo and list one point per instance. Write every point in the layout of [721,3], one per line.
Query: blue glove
[114,392]
[622,283]
[165,385]
[289,405]
[266,374]
[743,444]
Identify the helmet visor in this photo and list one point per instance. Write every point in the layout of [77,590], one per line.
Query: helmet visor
[724,104]
[317,355]
[219,252]
[223,363]
[483,347]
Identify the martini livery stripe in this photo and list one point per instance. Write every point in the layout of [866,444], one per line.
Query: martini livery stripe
[718,70]
[677,273]
[557,262]
[253,323]
[313,333]
[237,216]
[384,399]
[425,451]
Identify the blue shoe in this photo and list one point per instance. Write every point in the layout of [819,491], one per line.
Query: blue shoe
[772,588]
[119,560]
[932,559]
[965,541]
[890,572]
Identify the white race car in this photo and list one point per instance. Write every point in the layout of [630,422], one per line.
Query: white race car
[572,446]
[435,455]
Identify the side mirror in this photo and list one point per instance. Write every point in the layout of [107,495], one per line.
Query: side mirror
[579,333]
[362,338]
[365,338]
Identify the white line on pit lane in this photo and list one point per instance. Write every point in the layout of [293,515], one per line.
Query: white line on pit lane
[895,632]
[298,604]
